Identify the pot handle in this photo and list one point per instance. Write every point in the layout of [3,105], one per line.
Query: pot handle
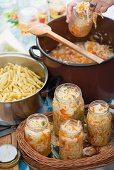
[51,85]
[32,54]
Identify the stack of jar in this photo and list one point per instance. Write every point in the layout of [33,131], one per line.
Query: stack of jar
[68,115]
[67,104]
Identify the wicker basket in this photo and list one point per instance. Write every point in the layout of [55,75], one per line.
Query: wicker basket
[40,162]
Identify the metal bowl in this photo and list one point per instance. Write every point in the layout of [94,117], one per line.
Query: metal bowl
[12,112]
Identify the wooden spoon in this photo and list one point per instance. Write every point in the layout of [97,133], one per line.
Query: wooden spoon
[45,30]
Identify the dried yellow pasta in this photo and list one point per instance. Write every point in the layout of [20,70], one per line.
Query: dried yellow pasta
[17,82]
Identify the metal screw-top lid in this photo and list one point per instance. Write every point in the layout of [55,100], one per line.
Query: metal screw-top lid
[9,156]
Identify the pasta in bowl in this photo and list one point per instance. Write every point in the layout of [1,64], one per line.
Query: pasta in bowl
[17,82]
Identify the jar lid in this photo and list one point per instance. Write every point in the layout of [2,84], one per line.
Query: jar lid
[12,163]
[9,156]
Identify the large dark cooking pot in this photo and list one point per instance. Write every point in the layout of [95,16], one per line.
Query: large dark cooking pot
[96,81]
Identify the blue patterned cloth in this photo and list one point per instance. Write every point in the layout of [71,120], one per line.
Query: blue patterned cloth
[23,166]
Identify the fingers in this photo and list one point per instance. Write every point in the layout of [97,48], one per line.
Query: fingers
[92,4]
[95,5]
[100,6]
[106,5]
[69,10]
[103,9]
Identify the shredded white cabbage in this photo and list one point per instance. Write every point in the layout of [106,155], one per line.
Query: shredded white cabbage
[66,54]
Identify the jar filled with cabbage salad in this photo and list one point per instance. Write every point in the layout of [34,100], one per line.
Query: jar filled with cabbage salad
[42,10]
[67,104]
[8,14]
[71,137]
[57,8]
[27,16]
[38,133]
[81,19]
[99,123]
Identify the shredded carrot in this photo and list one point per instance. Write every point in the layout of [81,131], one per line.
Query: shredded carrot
[95,19]
[90,47]
[63,111]
[64,114]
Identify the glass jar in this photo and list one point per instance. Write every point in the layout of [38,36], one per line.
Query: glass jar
[67,103]
[71,138]
[8,14]
[99,123]
[57,8]
[81,20]
[26,16]
[42,9]
[22,3]
[38,133]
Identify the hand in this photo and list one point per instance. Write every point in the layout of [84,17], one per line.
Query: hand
[100,5]
[96,5]
[69,9]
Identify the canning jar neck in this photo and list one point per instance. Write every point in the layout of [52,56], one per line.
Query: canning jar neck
[82,14]
[98,107]
[59,94]
[71,127]
[37,122]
